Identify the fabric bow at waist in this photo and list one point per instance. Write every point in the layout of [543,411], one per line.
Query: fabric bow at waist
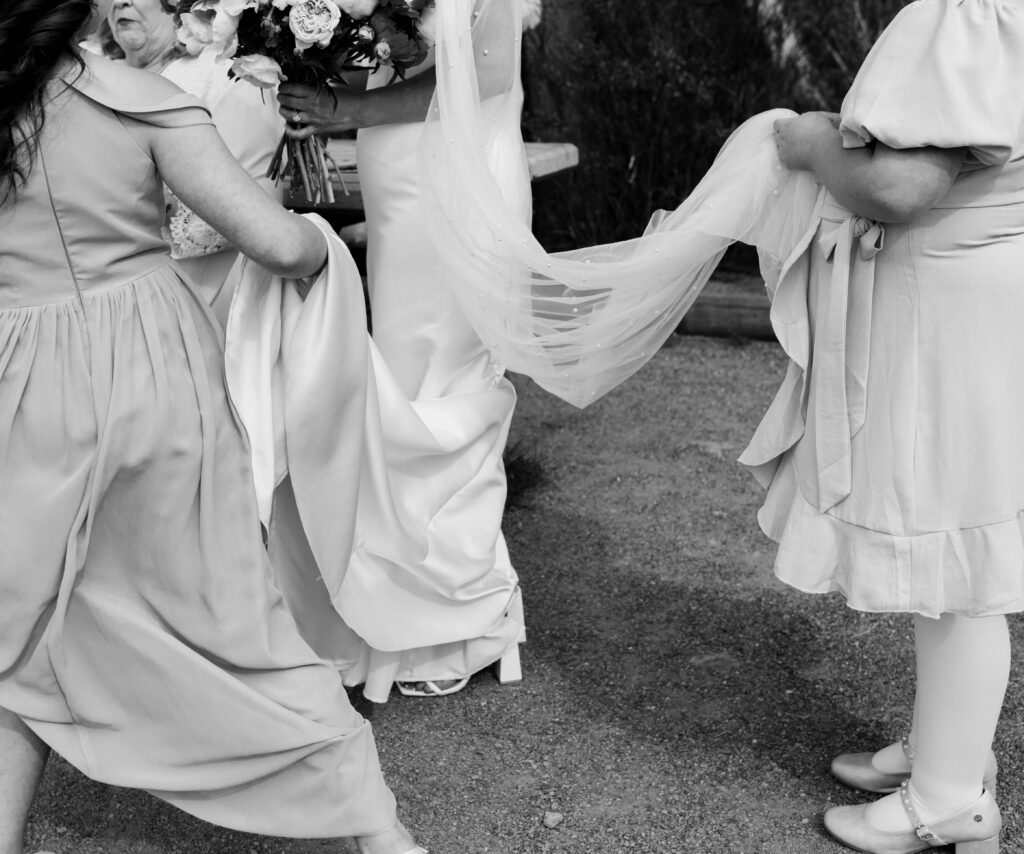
[842,332]
[824,326]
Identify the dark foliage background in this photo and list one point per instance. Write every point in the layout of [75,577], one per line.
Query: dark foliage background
[650,89]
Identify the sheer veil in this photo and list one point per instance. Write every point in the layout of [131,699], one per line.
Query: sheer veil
[578,322]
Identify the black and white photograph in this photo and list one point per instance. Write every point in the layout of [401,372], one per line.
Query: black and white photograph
[511,426]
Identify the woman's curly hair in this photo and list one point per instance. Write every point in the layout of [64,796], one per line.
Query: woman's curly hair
[35,35]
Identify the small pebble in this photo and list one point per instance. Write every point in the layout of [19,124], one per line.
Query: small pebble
[553,819]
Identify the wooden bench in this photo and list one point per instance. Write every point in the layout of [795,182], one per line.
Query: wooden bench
[544,158]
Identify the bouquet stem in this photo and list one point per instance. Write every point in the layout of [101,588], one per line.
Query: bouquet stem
[304,161]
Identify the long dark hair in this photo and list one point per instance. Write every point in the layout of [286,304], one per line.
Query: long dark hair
[35,35]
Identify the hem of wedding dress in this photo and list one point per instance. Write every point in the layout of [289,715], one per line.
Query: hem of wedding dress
[377,671]
[376,686]
[973,572]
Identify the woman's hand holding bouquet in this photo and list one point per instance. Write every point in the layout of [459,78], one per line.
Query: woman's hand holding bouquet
[312,43]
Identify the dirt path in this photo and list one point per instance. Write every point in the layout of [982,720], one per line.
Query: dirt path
[677,698]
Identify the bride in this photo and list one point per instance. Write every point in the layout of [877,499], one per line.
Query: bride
[456,608]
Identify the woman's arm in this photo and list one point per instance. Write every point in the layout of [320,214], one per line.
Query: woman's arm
[199,169]
[881,183]
[342,108]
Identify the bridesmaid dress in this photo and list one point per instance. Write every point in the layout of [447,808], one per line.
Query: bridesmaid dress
[891,454]
[144,639]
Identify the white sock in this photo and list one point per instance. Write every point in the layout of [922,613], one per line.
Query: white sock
[962,670]
[963,665]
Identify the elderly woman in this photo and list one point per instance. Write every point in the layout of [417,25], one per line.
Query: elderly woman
[142,33]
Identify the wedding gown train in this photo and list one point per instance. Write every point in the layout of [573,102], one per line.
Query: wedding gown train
[888,452]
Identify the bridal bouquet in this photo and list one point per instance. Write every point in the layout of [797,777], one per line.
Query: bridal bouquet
[307,41]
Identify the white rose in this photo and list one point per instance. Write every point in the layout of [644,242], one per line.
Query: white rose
[236,7]
[210,22]
[313,22]
[259,70]
[194,34]
[427,25]
[357,9]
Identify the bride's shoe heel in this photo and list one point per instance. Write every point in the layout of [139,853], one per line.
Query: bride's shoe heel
[510,669]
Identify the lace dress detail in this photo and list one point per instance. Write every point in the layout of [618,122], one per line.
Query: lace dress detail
[188,233]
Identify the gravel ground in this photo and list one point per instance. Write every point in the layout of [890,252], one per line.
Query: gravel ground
[677,698]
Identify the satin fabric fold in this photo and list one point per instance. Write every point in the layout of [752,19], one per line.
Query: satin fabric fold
[354,480]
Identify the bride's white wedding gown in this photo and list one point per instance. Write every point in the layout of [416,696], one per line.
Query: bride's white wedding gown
[379,462]
[466,612]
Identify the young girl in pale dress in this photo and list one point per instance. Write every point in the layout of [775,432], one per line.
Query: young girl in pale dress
[892,454]
[143,637]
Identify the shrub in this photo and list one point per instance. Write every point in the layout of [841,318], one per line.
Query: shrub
[650,89]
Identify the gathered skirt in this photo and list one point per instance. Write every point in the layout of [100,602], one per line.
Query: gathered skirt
[144,639]
[892,452]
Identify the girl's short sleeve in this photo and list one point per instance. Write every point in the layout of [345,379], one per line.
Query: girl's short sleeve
[945,73]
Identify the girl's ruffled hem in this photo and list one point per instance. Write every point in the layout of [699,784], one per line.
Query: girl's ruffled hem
[972,572]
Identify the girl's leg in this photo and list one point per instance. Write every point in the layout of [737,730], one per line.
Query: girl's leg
[22,757]
[963,666]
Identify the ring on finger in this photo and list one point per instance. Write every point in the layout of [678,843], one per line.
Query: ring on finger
[297,117]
